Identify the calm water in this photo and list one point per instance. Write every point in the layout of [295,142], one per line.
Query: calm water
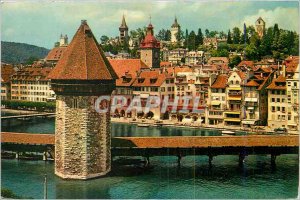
[193,180]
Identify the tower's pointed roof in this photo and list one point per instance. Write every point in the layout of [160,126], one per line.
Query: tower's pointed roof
[83,59]
[175,24]
[123,24]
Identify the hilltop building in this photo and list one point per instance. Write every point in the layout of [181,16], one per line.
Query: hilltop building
[260,26]
[175,30]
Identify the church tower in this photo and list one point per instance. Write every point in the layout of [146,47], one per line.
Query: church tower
[150,49]
[82,135]
[123,30]
[175,29]
[260,27]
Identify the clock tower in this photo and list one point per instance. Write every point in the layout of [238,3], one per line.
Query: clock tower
[150,49]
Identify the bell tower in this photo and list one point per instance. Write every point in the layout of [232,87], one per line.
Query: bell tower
[82,135]
[123,30]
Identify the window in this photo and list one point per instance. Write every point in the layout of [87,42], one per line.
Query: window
[162,89]
[283,109]
[283,92]
[282,100]
[278,108]
[295,84]
[273,108]
[278,100]
[273,99]
[75,103]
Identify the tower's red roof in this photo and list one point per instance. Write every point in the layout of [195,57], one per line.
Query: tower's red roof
[150,41]
[83,59]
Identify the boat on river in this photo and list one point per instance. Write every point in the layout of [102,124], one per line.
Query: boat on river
[228,132]
[143,125]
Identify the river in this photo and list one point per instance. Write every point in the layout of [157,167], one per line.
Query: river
[194,179]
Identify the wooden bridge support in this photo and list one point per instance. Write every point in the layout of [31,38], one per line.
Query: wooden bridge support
[210,159]
[242,157]
[273,161]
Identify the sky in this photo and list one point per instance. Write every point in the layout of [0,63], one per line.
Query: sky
[41,22]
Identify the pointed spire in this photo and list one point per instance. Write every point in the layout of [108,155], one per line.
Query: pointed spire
[123,24]
[175,24]
[83,59]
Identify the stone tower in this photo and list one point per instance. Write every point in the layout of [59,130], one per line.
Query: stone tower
[260,27]
[63,40]
[175,29]
[82,135]
[150,49]
[123,30]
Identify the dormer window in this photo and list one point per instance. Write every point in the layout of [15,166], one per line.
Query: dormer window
[141,80]
[153,80]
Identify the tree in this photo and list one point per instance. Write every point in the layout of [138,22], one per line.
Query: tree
[251,52]
[229,40]
[179,35]
[234,61]
[161,34]
[168,35]
[276,35]
[104,39]
[30,60]
[199,38]
[186,42]
[206,33]
[236,35]
[192,41]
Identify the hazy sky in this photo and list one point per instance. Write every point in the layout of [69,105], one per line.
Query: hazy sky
[42,23]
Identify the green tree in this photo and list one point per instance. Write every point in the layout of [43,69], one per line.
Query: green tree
[236,35]
[199,38]
[186,41]
[31,60]
[192,41]
[168,35]
[229,40]
[234,61]
[104,39]
[161,35]
[251,52]
[179,35]
[206,33]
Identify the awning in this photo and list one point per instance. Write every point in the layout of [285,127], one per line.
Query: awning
[232,120]
[235,98]
[248,122]
[215,103]
[232,112]
[234,88]
[144,95]
[251,99]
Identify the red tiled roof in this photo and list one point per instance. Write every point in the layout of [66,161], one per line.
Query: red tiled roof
[32,74]
[274,84]
[6,71]
[211,60]
[127,70]
[241,74]
[146,77]
[220,82]
[165,64]
[129,66]
[252,83]
[56,53]
[150,41]
[247,63]
[84,59]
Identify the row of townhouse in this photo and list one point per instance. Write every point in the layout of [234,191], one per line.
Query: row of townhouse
[31,84]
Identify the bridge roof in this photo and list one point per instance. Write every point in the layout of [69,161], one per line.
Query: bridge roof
[28,138]
[169,142]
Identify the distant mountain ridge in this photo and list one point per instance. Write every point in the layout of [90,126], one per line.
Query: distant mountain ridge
[14,53]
